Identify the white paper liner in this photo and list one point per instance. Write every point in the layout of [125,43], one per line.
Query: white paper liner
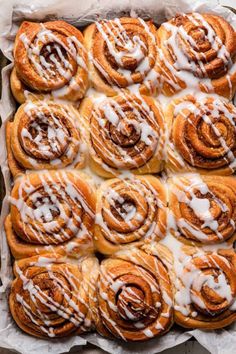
[80,13]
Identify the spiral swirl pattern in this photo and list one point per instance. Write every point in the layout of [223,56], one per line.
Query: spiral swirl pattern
[125,133]
[129,211]
[134,297]
[210,284]
[46,135]
[203,208]
[123,53]
[197,46]
[50,58]
[48,298]
[53,209]
[203,135]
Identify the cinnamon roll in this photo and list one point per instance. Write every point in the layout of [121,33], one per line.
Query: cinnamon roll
[51,212]
[44,135]
[134,296]
[49,59]
[202,135]
[50,298]
[123,55]
[129,212]
[125,132]
[203,209]
[199,51]
[205,289]
[14,166]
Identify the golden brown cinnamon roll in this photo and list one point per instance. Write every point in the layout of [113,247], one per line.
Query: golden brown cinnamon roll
[14,166]
[51,297]
[123,55]
[51,212]
[125,132]
[202,135]
[44,135]
[203,209]
[49,59]
[130,212]
[134,296]
[197,50]
[205,288]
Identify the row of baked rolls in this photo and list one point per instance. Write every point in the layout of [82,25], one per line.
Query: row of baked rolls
[128,296]
[202,209]
[55,211]
[131,132]
[190,50]
[51,58]
[44,135]
[134,295]
[121,133]
[125,132]
[51,212]
[61,212]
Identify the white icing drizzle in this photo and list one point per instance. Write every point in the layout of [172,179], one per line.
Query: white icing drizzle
[201,207]
[131,305]
[52,212]
[138,214]
[184,67]
[189,280]
[140,47]
[58,65]
[213,111]
[142,120]
[51,139]
[70,309]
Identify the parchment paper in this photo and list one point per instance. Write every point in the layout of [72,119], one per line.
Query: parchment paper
[80,13]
